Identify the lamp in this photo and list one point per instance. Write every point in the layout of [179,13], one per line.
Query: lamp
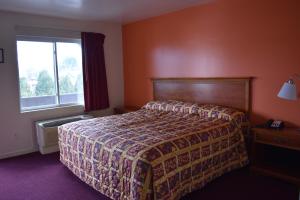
[288,90]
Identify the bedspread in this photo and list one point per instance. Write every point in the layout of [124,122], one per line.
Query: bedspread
[151,153]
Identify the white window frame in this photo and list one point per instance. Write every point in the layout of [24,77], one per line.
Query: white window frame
[52,40]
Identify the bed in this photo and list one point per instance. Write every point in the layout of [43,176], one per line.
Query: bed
[170,147]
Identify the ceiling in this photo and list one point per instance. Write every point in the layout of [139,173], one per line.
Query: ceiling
[123,11]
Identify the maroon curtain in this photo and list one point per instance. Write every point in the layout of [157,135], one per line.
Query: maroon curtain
[94,73]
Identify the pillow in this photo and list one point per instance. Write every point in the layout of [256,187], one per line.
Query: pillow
[222,112]
[204,110]
[172,105]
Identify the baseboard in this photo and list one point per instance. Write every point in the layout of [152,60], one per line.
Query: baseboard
[17,153]
[51,149]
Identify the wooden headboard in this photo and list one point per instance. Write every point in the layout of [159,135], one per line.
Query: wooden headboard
[233,92]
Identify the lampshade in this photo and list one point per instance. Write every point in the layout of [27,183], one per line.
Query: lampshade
[288,91]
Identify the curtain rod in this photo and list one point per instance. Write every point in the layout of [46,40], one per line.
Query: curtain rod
[35,28]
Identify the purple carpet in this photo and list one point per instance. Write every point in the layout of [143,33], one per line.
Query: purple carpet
[37,177]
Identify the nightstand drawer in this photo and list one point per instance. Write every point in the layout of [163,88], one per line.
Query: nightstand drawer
[276,139]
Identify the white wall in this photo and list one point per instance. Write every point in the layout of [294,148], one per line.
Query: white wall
[17,135]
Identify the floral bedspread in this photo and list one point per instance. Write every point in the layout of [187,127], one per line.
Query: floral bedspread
[162,151]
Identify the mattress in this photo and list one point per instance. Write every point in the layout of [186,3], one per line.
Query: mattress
[162,151]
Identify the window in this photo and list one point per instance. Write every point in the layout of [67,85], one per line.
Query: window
[50,72]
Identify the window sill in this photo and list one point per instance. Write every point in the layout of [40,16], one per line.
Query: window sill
[52,108]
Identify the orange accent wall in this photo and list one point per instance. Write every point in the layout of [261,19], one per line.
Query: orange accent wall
[224,38]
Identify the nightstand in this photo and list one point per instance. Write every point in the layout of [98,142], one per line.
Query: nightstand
[126,109]
[276,153]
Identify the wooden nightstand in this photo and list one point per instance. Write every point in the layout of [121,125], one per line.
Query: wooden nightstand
[276,153]
[126,109]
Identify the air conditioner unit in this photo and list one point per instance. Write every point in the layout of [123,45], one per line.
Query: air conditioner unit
[47,132]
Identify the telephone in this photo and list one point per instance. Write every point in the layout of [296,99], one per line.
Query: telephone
[275,124]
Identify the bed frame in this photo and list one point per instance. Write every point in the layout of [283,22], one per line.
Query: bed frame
[233,92]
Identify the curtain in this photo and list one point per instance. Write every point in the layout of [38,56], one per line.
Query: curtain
[94,73]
